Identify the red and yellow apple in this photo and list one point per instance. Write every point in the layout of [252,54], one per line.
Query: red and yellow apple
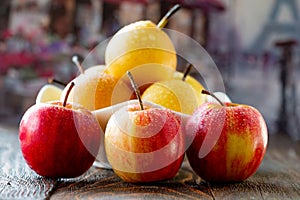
[144,145]
[228,142]
[59,140]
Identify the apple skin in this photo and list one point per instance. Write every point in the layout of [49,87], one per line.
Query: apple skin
[144,145]
[136,44]
[47,93]
[229,142]
[93,89]
[57,141]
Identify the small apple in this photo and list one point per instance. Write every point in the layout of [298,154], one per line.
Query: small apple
[144,144]
[104,114]
[93,88]
[47,93]
[180,94]
[228,141]
[59,139]
[176,95]
[142,42]
[194,83]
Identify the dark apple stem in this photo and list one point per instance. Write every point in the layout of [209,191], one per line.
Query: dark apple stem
[76,62]
[67,94]
[136,89]
[162,23]
[187,71]
[214,96]
[52,80]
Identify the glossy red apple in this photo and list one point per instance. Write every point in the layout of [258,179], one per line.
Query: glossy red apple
[229,141]
[59,140]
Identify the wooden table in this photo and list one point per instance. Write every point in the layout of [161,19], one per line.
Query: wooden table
[277,178]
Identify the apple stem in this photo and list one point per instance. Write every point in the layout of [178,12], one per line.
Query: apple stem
[76,62]
[67,94]
[136,89]
[187,71]
[52,80]
[162,23]
[214,96]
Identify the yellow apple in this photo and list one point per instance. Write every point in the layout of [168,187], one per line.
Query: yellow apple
[174,94]
[93,89]
[48,93]
[137,44]
[195,84]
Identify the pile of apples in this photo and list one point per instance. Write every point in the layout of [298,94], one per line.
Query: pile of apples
[145,140]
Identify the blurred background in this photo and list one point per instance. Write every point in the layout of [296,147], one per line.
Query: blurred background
[254,43]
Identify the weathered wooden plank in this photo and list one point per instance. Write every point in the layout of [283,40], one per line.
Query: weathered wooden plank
[278,177]
[17,181]
[281,170]
[104,184]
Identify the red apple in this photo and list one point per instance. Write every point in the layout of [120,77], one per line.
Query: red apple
[59,140]
[229,141]
[144,145]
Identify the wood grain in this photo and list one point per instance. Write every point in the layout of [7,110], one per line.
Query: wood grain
[105,184]
[17,181]
[277,178]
